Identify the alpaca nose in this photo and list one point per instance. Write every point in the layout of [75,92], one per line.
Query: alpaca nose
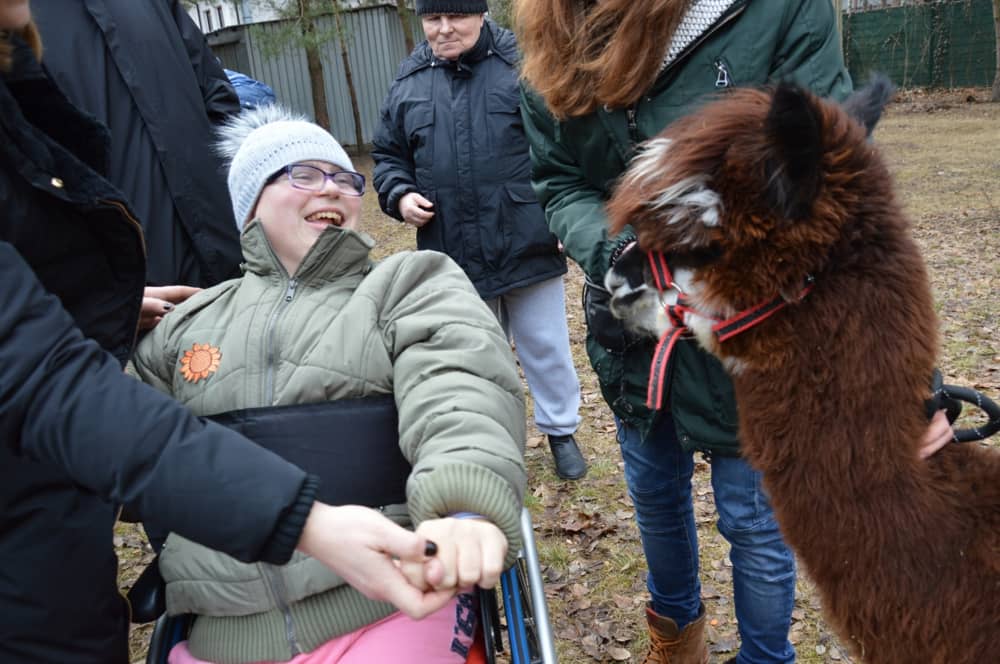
[622,300]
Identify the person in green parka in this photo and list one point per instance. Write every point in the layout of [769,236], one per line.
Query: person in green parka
[600,78]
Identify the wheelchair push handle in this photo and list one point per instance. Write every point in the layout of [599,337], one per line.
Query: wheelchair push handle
[952,398]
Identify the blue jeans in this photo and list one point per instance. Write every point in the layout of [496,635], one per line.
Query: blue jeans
[658,474]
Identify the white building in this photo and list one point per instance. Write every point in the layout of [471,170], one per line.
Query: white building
[211,15]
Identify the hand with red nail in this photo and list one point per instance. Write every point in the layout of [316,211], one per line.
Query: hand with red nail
[368,551]
[158,301]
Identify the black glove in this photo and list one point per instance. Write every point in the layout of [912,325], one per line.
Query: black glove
[607,330]
[601,323]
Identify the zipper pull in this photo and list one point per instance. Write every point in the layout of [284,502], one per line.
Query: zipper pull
[633,125]
[292,283]
[722,79]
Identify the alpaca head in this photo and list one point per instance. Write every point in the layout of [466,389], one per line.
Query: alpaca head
[748,195]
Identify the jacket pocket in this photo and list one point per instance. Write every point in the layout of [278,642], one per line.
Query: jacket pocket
[525,230]
[419,127]
[703,402]
[504,123]
[432,234]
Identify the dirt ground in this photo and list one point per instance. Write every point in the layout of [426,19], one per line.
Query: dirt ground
[944,149]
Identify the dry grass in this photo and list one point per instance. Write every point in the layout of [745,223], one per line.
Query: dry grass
[943,151]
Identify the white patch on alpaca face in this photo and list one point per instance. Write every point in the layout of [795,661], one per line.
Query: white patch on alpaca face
[684,280]
[700,325]
[710,217]
[640,309]
[734,366]
[689,202]
[646,165]
[687,193]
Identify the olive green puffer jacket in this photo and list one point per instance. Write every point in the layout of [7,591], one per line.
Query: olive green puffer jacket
[576,163]
[341,327]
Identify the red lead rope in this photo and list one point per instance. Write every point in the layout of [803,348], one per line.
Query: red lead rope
[723,329]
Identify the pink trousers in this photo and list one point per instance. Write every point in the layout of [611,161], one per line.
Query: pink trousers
[443,637]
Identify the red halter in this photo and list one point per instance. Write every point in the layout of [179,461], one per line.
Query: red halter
[722,328]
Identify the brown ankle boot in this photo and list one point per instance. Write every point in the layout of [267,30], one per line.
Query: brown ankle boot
[669,645]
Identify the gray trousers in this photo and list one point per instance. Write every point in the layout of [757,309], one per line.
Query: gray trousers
[535,318]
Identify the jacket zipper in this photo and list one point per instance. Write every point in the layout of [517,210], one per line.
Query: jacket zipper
[142,245]
[722,78]
[271,577]
[270,331]
[633,125]
[721,23]
[632,111]
[278,588]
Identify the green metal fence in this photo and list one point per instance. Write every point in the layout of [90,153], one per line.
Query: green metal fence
[939,44]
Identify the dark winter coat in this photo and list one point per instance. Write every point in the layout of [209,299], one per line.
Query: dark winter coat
[452,132]
[145,71]
[576,163]
[77,436]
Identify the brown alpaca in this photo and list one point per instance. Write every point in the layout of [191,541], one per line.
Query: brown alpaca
[749,198]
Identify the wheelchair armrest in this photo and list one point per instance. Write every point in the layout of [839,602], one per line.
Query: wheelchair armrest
[148,595]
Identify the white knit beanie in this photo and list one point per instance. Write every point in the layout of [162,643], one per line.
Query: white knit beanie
[258,143]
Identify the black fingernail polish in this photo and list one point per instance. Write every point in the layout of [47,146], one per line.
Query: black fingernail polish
[167,306]
[430,548]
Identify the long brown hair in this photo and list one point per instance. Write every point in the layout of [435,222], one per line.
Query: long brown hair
[28,33]
[584,54]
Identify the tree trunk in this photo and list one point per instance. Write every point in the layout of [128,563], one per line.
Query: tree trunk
[355,108]
[315,65]
[318,86]
[995,96]
[404,20]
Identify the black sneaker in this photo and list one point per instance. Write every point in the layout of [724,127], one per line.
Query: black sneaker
[570,464]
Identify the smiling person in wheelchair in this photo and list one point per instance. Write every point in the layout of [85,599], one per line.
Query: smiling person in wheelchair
[391,381]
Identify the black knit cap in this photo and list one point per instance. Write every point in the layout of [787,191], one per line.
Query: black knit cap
[450,7]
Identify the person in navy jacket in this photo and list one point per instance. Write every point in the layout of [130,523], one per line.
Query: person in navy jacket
[78,437]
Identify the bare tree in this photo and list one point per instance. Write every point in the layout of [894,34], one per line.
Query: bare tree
[302,29]
[299,29]
[310,43]
[404,21]
[995,96]
[355,106]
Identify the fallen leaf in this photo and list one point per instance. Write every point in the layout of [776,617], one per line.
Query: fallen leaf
[619,654]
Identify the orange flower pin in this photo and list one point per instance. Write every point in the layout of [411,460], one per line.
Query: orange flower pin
[200,362]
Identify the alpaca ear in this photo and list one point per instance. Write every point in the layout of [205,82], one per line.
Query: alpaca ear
[866,104]
[793,128]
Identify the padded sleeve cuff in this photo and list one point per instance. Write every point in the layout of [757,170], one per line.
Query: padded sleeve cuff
[281,545]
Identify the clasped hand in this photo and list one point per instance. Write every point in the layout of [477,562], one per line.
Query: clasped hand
[369,551]
[415,209]
[470,552]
